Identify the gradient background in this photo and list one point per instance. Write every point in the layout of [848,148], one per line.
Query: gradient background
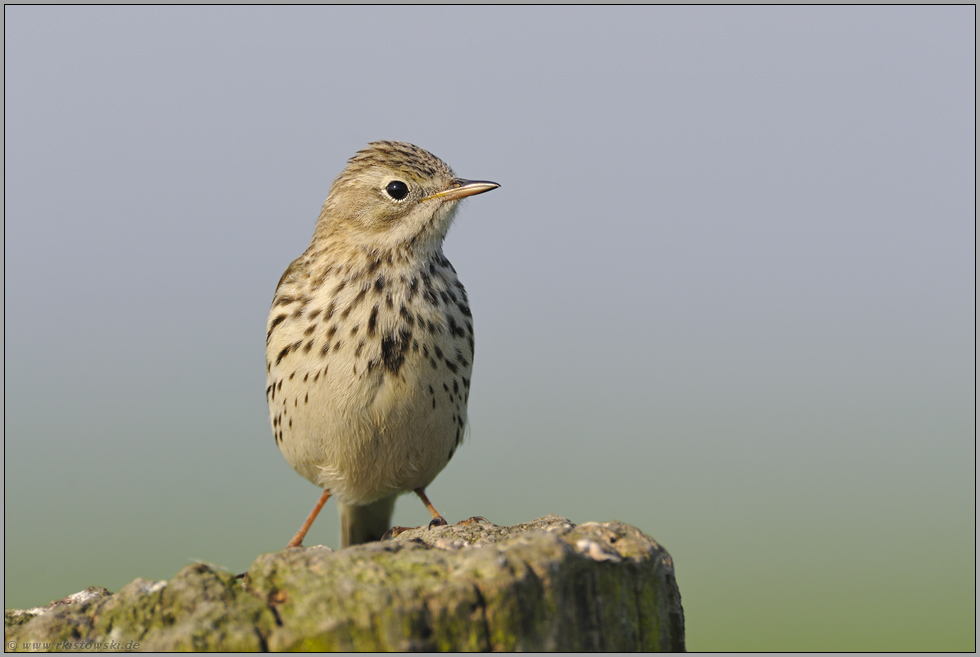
[725,293]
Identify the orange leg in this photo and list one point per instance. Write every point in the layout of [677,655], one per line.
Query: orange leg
[301,534]
[437,518]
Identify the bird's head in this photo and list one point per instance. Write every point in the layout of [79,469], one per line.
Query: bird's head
[395,195]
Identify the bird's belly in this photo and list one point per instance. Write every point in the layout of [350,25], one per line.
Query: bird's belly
[365,433]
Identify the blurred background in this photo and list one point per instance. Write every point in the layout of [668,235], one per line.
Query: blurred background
[726,292]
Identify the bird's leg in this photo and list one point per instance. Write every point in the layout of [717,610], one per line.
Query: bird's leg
[301,534]
[437,519]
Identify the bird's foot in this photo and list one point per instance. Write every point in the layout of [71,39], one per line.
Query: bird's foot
[395,531]
[473,521]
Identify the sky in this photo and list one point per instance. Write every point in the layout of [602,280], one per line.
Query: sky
[726,291]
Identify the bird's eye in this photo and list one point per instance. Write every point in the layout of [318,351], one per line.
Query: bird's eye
[397,190]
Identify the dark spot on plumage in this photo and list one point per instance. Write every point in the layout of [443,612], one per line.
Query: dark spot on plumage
[456,386]
[425,350]
[353,330]
[466,383]
[282,354]
[336,345]
[290,423]
[433,403]
[373,267]
[292,375]
[357,352]
[430,326]
[330,332]
[431,297]
[393,348]
[438,351]
[329,313]
[459,436]
[308,347]
[379,284]
[444,296]
[306,399]
[452,296]
[415,346]
[373,320]
[324,349]
[459,420]
[432,362]
[407,315]
[340,286]
[268,389]
[413,287]
[276,322]
[283,301]
[316,378]
[305,377]
[470,342]
[451,365]
[445,387]
[295,405]
[455,329]
[309,329]
[314,314]
[463,308]
[452,450]
[389,302]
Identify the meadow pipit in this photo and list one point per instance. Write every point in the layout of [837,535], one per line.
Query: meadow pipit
[370,340]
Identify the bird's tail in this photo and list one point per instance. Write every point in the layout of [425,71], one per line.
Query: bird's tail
[363,524]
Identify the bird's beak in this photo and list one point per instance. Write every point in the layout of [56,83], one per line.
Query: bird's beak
[460,188]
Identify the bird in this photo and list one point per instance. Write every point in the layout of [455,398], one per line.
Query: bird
[369,342]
